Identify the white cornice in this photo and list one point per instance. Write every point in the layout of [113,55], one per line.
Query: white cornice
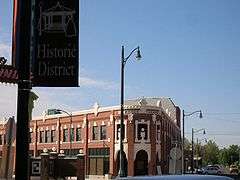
[104,109]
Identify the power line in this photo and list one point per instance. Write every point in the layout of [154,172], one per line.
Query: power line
[219,134]
[221,113]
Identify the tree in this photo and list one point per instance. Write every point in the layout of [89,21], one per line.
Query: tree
[223,156]
[211,153]
[230,155]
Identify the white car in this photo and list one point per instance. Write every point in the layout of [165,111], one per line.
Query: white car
[213,169]
[178,177]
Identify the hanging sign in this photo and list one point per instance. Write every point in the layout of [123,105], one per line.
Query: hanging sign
[56,43]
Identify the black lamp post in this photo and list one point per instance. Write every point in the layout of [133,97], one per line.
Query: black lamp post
[192,157]
[121,172]
[70,115]
[183,131]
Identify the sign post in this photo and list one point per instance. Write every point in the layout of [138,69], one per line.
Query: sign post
[45,53]
[22,26]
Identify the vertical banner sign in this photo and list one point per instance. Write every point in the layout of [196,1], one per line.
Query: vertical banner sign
[56,59]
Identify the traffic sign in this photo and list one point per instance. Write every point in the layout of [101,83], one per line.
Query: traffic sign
[175,153]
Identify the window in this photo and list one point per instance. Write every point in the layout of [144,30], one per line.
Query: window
[72,134]
[118,131]
[4,139]
[103,134]
[30,137]
[47,136]
[158,132]
[65,135]
[41,136]
[78,134]
[95,133]
[53,135]
[98,161]
[1,136]
[142,132]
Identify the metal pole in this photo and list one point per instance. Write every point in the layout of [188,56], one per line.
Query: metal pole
[121,172]
[71,135]
[183,138]
[192,162]
[197,154]
[24,86]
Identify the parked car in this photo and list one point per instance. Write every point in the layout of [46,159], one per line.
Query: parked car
[213,169]
[178,177]
[234,169]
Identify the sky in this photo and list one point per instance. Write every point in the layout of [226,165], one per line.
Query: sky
[190,53]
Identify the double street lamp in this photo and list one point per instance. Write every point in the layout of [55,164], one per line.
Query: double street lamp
[183,138]
[71,135]
[121,172]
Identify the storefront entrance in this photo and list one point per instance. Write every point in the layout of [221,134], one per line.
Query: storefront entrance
[141,163]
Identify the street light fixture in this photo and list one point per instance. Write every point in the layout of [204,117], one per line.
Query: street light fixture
[195,131]
[183,138]
[3,60]
[70,115]
[121,172]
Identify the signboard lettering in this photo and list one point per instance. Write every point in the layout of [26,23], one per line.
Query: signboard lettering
[56,43]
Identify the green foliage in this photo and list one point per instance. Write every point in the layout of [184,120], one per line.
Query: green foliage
[211,153]
[229,155]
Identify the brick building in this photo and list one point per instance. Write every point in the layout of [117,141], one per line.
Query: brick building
[150,127]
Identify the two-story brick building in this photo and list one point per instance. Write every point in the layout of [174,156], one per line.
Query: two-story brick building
[150,126]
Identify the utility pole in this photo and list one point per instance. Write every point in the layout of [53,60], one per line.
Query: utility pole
[23,34]
[183,143]
[192,158]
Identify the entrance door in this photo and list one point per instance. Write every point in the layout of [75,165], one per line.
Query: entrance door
[141,163]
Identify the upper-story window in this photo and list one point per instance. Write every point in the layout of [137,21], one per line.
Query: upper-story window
[119,131]
[158,132]
[78,134]
[4,139]
[95,133]
[142,132]
[53,135]
[30,137]
[41,136]
[47,136]
[72,134]
[103,131]
[65,135]
[1,141]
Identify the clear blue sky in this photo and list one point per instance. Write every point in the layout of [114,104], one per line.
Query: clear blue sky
[190,52]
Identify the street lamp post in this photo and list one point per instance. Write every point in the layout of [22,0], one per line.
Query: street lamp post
[197,150]
[183,134]
[121,172]
[192,157]
[70,115]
